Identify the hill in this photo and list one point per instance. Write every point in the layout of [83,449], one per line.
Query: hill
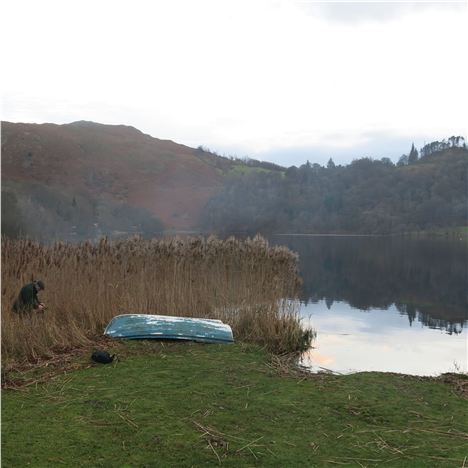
[368,196]
[82,179]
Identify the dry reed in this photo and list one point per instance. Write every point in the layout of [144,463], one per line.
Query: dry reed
[244,283]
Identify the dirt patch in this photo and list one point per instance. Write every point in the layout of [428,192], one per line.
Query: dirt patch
[459,382]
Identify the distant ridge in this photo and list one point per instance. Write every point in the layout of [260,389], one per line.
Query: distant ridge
[111,164]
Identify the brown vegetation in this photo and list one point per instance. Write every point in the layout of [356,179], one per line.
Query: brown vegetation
[108,163]
[244,283]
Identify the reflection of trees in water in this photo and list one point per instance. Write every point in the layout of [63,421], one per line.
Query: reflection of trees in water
[428,317]
[425,279]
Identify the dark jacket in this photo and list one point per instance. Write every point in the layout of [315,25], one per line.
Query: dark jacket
[27,300]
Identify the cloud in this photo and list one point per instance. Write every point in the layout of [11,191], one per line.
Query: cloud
[371,11]
[254,78]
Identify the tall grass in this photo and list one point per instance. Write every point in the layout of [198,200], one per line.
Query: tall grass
[244,283]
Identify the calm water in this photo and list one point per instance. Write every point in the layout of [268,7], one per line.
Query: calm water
[384,304]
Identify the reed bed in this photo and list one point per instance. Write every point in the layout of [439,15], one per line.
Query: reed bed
[243,283]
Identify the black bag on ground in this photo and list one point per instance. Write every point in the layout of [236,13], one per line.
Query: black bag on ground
[102,357]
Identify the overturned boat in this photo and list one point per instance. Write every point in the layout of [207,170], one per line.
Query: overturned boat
[164,327]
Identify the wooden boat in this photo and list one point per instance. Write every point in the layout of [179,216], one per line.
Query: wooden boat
[163,327]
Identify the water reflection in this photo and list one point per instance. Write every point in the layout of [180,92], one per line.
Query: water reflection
[426,280]
[384,304]
[350,340]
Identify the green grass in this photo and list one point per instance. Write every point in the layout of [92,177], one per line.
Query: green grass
[196,405]
[240,169]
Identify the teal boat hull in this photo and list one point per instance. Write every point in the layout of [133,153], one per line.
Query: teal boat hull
[163,327]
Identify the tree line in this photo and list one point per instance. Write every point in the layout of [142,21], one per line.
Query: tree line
[43,213]
[426,189]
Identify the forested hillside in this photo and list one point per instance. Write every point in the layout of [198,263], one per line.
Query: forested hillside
[85,180]
[368,196]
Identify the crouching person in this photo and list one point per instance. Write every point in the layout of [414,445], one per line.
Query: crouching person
[28,302]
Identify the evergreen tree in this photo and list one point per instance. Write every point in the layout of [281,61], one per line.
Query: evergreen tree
[413,156]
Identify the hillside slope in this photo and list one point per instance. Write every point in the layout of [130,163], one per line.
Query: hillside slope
[366,197]
[102,169]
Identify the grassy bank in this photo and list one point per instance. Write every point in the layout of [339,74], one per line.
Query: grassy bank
[239,282]
[196,405]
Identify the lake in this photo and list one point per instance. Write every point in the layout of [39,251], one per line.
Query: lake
[389,304]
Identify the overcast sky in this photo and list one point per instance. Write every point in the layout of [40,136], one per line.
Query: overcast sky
[286,81]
